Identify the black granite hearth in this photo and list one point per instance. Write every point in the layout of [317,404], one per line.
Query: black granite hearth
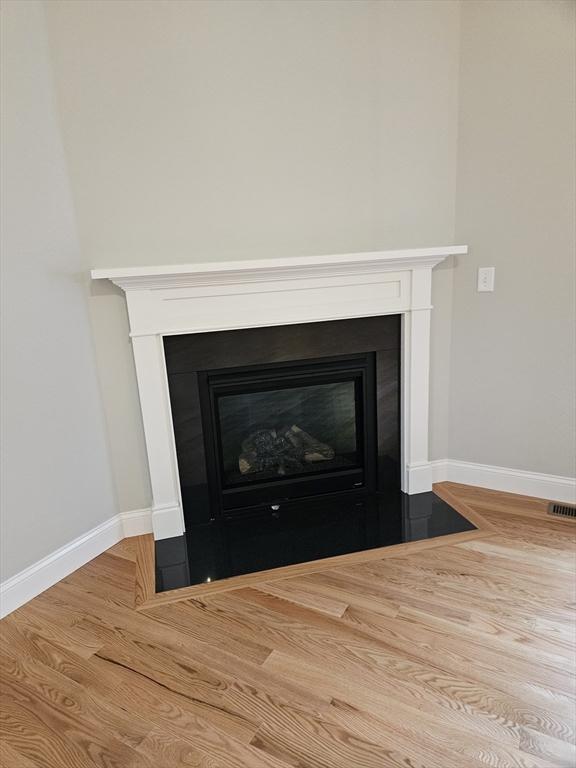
[301,531]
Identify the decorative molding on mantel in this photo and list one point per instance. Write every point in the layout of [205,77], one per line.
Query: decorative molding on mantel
[201,298]
[258,270]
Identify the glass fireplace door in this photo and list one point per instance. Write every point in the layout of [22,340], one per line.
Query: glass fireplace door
[288,432]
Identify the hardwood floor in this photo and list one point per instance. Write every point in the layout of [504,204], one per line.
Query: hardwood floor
[454,655]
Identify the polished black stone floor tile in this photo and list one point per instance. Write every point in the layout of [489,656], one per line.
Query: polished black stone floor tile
[300,532]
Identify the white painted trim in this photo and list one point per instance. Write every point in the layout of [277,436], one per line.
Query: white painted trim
[51,569]
[167,514]
[43,574]
[168,521]
[201,298]
[415,372]
[419,477]
[223,272]
[137,522]
[553,487]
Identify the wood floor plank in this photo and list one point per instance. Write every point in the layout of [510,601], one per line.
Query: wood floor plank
[469,659]
[555,619]
[402,708]
[200,691]
[288,590]
[38,620]
[55,728]
[455,653]
[431,742]
[496,713]
[10,757]
[125,548]
[55,691]
[169,749]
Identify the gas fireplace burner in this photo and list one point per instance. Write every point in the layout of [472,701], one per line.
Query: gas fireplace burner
[283,451]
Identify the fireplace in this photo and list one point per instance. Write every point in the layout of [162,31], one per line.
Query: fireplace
[202,300]
[289,420]
[287,431]
[285,408]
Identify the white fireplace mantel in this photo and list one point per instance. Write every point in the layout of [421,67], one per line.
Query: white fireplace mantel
[199,298]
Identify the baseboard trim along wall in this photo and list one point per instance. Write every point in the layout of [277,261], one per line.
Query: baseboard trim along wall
[30,582]
[553,487]
[136,523]
[38,577]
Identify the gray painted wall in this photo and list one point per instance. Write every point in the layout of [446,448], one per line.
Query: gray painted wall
[56,480]
[200,131]
[513,351]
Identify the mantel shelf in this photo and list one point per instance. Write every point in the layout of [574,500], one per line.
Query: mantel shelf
[257,270]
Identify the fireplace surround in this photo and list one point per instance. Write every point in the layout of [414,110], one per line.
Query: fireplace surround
[265,416]
[165,302]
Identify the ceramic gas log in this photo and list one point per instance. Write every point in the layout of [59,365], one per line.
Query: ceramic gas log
[281,451]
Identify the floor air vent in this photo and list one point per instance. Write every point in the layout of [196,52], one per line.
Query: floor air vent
[564,510]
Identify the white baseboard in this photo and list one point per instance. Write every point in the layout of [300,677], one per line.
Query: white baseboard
[419,478]
[137,522]
[43,574]
[167,521]
[553,487]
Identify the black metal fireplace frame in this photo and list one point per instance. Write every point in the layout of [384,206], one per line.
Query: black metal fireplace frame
[229,500]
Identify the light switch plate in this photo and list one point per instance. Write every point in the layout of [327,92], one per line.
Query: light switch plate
[486,278]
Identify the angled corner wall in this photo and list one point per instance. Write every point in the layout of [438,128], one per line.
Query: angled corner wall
[56,480]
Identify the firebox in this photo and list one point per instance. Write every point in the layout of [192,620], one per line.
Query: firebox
[291,430]
[269,419]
